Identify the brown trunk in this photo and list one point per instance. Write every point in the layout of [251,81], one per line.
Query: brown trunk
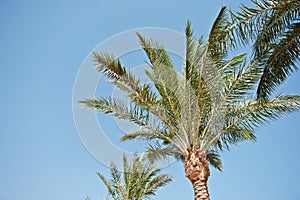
[197,171]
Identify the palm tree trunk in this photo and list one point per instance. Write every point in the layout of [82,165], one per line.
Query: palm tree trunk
[197,171]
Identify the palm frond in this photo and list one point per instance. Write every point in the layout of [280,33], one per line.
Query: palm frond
[158,151]
[281,63]
[242,79]
[143,134]
[108,186]
[194,53]
[244,117]
[163,73]
[218,37]
[189,48]
[115,178]
[251,113]
[148,135]
[194,64]
[273,26]
[155,52]
[280,18]
[120,109]
[166,82]
[157,182]
[124,79]
[267,20]
[214,159]
[233,134]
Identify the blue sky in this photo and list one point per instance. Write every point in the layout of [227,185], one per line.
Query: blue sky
[43,44]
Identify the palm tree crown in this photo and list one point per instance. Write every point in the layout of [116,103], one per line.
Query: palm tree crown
[195,114]
[139,180]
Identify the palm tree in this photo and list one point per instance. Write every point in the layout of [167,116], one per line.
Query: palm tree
[139,180]
[196,114]
[274,28]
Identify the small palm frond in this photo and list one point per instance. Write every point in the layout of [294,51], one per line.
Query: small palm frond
[159,181]
[193,56]
[126,172]
[190,46]
[124,79]
[166,83]
[150,125]
[214,159]
[218,37]
[232,134]
[158,123]
[120,109]
[241,79]
[155,52]
[108,185]
[159,151]
[141,134]
[231,69]
[148,134]
[162,74]
[113,185]
[115,178]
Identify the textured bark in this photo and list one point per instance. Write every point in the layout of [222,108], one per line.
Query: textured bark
[197,171]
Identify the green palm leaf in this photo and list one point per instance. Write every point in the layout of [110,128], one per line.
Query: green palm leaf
[282,62]
[273,26]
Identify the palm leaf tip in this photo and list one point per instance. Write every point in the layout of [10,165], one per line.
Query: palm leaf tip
[188,29]
[102,104]
[217,43]
[155,52]
[90,103]
[107,64]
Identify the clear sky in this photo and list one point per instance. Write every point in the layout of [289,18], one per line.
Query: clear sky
[42,45]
